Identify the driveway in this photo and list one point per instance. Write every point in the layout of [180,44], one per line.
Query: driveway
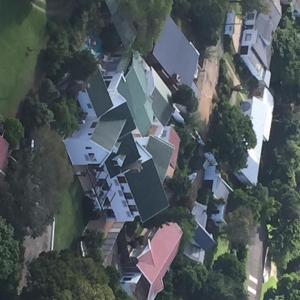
[255,264]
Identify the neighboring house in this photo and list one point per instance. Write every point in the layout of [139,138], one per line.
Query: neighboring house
[256,43]
[170,135]
[107,120]
[174,57]
[145,280]
[124,27]
[260,111]
[147,95]
[4,154]
[202,241]
[128,185]
[219,187]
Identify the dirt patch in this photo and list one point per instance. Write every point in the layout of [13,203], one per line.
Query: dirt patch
[33,248]
[207,82]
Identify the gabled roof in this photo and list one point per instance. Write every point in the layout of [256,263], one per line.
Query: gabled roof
[127,148]
[121,112]
[203,239]
[3,153]
[147,191]
[107,133]
[160,95]
[200,214]
[98,94]
[158,256]
[134,90]
[161,152]
[261,114]
[175,53]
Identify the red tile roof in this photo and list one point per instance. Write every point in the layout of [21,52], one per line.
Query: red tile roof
[156,259]
[3,153]
[174,139]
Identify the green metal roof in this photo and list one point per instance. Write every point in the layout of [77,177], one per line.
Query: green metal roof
[147,190]
[161,152]
[134,91]
[107,133]
[98,94]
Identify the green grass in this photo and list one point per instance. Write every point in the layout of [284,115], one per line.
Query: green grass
[69,223]
[222,248]
[21,26]
[271,283]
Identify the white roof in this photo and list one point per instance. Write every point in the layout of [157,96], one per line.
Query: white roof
[261,114]
[221,189]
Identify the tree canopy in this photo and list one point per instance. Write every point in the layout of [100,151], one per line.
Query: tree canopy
[148,18]
[186,97]
[30,193]
[9,250]
[231,135]
[14,131]
[66,276]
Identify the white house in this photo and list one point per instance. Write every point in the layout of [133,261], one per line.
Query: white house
[256,42]
[260,111]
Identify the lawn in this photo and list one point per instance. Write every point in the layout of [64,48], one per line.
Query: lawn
[271,283]
[222,248]
[69,223]
[22,36]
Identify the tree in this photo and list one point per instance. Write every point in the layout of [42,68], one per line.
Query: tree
[65,275]
[9,250]
[258,5]
[148,18]
[288,288]
[93,241]
[14,131]
[35,184]
[231,136]
[240,226]
[286,60]
[35,114]
[48,92]
[186,97]
[257,199]
[221,287]
[66,115]
[82,65]
[230,266]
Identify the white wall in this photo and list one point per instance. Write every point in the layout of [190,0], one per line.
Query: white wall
[86,104]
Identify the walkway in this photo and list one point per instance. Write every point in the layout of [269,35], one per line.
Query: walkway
[254,268]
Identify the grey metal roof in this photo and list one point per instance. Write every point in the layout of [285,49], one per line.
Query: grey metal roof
[107,133]
[203,239]
[161,152]
[175,53]
[147,190]
[98,94]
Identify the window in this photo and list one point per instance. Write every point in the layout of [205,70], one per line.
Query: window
[133,208]
[88,148]
[128,196]
[89,134]
[124,203]
[128,214]
[248,37]
[244,50]
[116,182]
[92,156]
[89,106]
[122,179]
[120,193]
[164,134]
[250,16]
[127,278]
[94,124]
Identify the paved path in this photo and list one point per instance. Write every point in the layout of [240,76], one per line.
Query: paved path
[254,268]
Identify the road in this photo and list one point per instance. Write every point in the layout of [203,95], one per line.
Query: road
[255,264]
